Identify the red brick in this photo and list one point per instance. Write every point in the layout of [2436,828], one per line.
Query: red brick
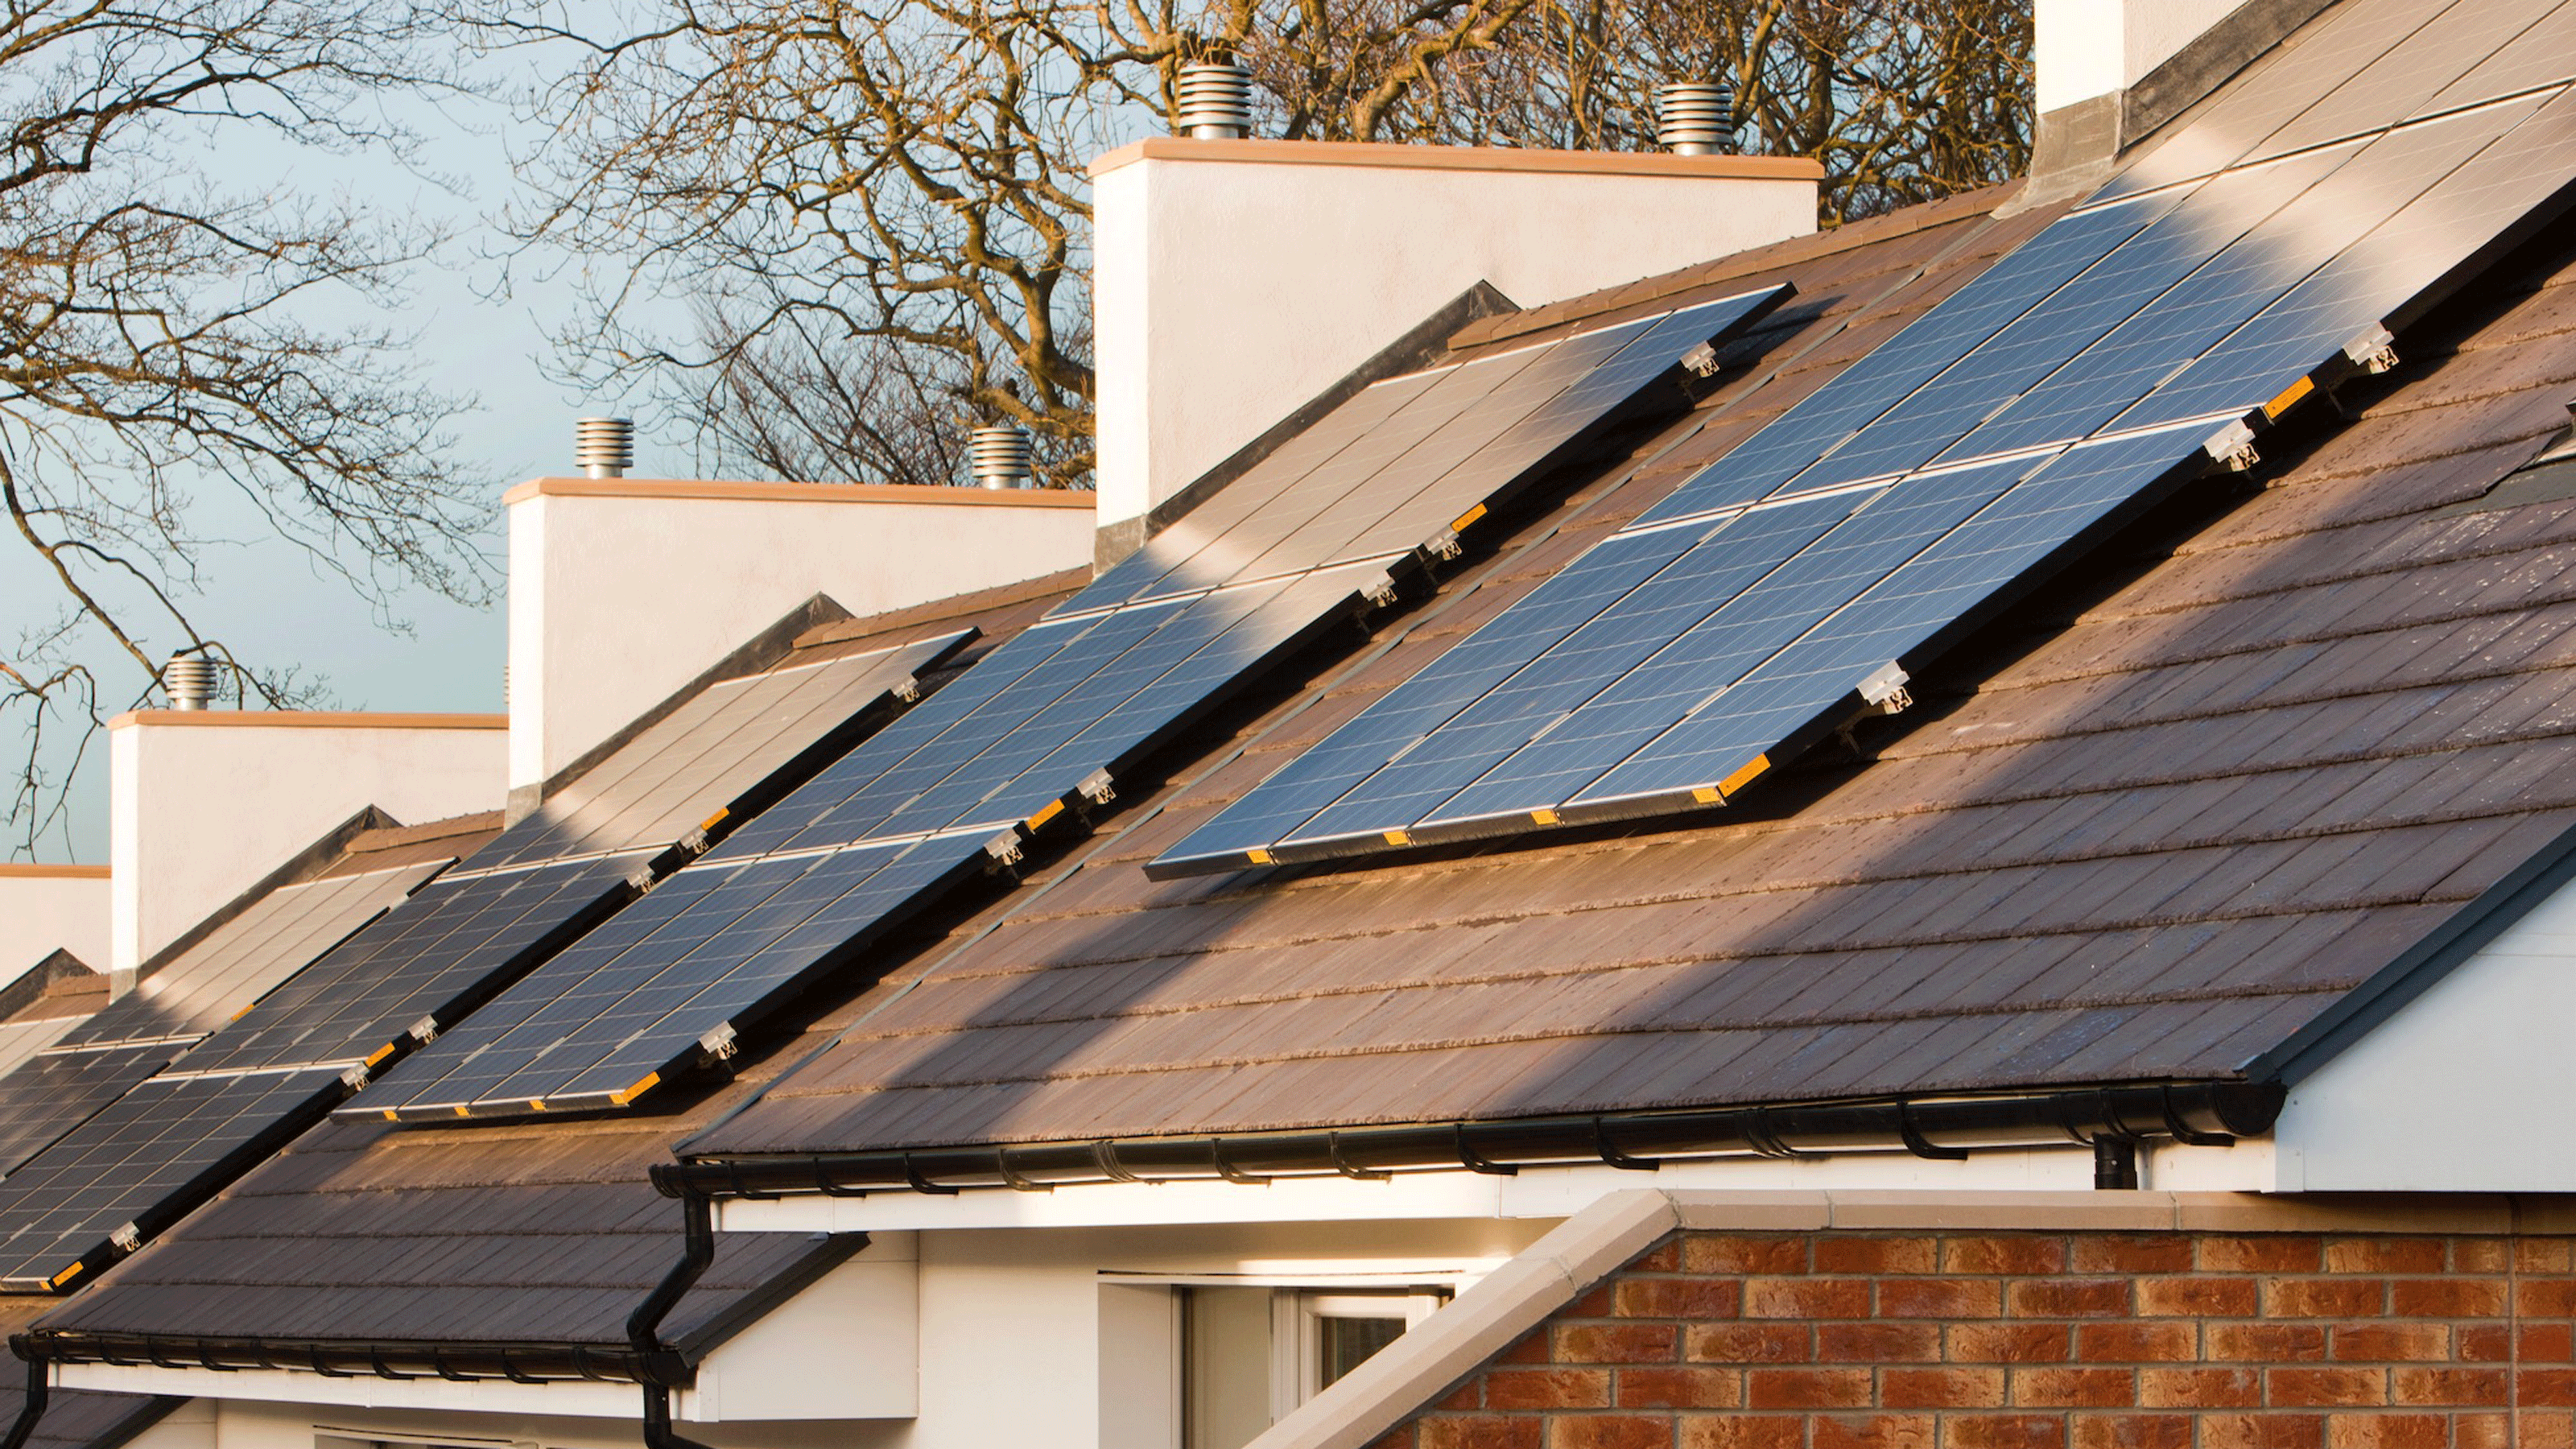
[2137,1343]
[1664,1257]
[1547,1388]
[2551,1388]
[1875,1255]
[2156,1253]
[2388,1431]
[1481,1431]
[2539,1343]
[1401,1437]
[2534,1429]
[1738,1431]
[2197,1297]
[2263,1431]
[1807,1388]
[1465,1398]
[2393,1342]
[1610,1431]
[1877,1343]
[1532,1347]
[1720,1253]
[2544,1255]
[2261,1253]
[2462,1386]
[2448,1297]
[2545,1298]
[1948,1298]
[2290,1388]
[1593,1304]
[2074,1388]
[2003,1431]
[2133,1431]
[2385,1255]
[1941,1388]
[2324,1298]
[1748,1343]
[2482,1431]
[1806,1298]
[2069,1298]
[1680,1388]
[2200,1388]
[2012,1342]
[2005,1253]
[1617,1343]
[1693,1298]
[1872,1431]
[2481,1255]
[2267,1342]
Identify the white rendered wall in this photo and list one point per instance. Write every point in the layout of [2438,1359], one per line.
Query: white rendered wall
[1235,280]
[623,590]
[49,908]
[2088,48]
[203,803]
[2464,1089]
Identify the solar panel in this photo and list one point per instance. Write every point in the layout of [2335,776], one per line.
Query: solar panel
[149,1150]
[1649,680]
[132,1037]
[1068,706]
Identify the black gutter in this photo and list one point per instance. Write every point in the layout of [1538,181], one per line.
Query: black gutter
[339,1358]
[2112,1120]
[39,1385]
[644,1325]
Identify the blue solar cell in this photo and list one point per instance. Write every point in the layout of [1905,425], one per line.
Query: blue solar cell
[2434,59]
[1933,343]
[1946,589]
[1546,700]
[2313,230]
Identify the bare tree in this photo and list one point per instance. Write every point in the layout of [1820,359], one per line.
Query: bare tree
[159,336]
[860,226]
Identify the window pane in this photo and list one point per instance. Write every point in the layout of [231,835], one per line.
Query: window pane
[1347,1342]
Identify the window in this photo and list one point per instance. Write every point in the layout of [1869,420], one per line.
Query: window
[1249,1355]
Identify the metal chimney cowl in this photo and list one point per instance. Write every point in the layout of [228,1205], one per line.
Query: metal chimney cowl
[1696,118]
[189,680]
[1215,101]
[1001,457]
[604,447]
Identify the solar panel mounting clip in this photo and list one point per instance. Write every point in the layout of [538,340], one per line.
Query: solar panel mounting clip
[1701,361]
[908,692]
[355,1077]
[1444,545]
[2373,352]
[1883,689]
[2232,448]
[1379,592]
[1002,851]
[127,1238]
[720,1044]
[423,1031]
[1097,788]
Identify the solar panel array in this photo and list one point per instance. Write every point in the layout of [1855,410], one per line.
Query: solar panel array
[1801,579]
[1306,537]
[95,1061]
[199,1114]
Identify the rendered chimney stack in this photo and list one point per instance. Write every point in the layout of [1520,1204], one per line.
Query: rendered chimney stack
[1696,118]
[1216,101]
[189,680]
[1001,457]
[604,447]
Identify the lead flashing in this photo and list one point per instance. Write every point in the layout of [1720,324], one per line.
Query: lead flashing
[1516,159]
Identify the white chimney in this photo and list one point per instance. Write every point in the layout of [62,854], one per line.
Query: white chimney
[622,590]
[203,803]
[2090,48]
[49,908]
[1236,279]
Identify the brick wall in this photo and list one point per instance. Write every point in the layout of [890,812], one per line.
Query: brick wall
[2038,1340]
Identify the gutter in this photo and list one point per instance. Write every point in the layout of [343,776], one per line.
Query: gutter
[339,1358]
[2110,1120]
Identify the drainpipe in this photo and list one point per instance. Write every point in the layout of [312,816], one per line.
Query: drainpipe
[38,1384]
[658,1367]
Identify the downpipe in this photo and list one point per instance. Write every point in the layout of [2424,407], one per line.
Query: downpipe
[659,1368]
[39,1384]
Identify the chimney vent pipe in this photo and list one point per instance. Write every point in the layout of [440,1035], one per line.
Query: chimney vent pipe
[189,680]
[1001,457]
[1696,118]
[1216,101]
[604,447]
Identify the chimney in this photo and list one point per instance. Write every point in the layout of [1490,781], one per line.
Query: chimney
[202,803]
[2109,71]
[604,447]
[189,680]
[49,908]
[1237,278]
[1695,118]
[1215,101]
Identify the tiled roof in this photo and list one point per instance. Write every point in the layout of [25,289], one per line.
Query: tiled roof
[74,1418]
[2150,828]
